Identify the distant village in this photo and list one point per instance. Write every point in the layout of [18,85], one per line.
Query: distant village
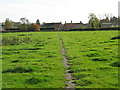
[25,25]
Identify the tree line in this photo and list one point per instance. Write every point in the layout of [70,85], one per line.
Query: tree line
[95,22]
[25,25]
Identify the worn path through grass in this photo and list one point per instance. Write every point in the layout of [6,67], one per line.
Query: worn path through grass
[68,75]
[34,59]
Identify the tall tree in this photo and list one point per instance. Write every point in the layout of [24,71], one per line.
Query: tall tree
[114,20]
[24,21]
[24,24]
[33,27]
[94,21]
[8,24]
[38,22]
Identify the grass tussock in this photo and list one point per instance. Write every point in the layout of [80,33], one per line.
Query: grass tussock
[13,40]
[117,37]
[15,61]
[115,64]
[99,59]
[18,70]
[35,80]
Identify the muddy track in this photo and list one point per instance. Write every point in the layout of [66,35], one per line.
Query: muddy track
[68,75]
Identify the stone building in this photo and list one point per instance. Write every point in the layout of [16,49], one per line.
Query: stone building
[52,26]
[68,26]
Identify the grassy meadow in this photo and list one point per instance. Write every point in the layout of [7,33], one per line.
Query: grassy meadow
[93,56]
[34,59]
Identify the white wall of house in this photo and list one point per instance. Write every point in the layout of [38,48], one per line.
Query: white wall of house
[109,25]
[1,27]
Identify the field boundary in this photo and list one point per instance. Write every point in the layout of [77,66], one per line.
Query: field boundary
[78,29]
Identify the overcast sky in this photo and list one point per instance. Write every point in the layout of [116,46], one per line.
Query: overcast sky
[56,10]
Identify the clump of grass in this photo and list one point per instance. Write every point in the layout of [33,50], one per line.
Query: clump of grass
[93,50]
[81,75]
[15,61]
[49,38]
[26,40]
[111,41]
[92,55]
[39,45]
[71,71]
[35,80]
[117,37]
[71,58]
[84,82]
[22,35]
[10,41]
[32,48]
[18,70]
[106,48]
[104,68]
[115,64]
[80,70]
[16,52]
[15,40]
[104,42]
[99,59]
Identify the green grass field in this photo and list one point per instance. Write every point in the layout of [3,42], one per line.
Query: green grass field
[34,60]
[93,57]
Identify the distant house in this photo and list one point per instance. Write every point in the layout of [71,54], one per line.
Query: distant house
[2,26]
[51,26]
[109,25]
[68,26]
[106,24]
